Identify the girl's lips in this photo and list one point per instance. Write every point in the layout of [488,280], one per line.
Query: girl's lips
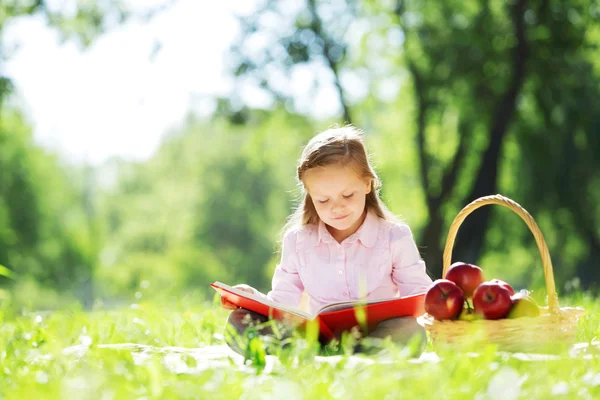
[339,218]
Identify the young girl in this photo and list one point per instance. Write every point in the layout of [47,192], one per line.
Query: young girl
[341,243]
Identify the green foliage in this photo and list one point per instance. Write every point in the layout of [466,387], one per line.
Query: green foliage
[208,206]
[48,230]
[42,221]
[5,272]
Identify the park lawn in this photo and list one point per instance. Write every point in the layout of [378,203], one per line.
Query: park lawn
[150,351]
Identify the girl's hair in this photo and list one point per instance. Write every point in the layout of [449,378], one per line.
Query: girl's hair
[339,145]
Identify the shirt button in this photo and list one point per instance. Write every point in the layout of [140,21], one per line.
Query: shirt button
[344,294]
[340,272]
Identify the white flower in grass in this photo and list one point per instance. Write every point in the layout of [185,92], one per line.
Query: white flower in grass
[560,389]
[287,389]
[85,340]
[591,379]
[505,384]
[41,377]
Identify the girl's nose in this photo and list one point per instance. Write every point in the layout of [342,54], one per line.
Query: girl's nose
[337,206]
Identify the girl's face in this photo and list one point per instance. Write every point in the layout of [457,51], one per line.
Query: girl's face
[338,194]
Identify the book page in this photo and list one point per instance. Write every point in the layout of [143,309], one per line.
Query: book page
[263,299]
[350,304]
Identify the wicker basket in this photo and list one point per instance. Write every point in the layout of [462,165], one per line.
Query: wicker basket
[554,328]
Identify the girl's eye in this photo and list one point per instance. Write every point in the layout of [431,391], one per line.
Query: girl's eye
[350,195]
[323,201]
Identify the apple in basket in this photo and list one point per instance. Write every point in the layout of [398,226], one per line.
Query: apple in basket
[444,300]
[466,276]
[468,314]
[492,300]
[506,285]
[523,306]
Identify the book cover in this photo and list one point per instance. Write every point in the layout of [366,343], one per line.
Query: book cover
[333,318]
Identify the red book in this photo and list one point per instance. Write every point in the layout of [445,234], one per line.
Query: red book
[333,318]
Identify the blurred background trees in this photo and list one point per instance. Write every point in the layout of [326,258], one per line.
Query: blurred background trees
[498,89]
[458,100]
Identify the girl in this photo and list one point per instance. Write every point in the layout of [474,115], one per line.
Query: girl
[341,243]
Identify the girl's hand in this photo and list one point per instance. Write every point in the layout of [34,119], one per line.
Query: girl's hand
[229,305]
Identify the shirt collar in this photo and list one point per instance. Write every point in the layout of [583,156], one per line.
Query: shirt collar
[366,233]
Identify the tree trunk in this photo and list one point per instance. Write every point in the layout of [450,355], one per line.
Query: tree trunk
[333,64]
[588,271]
[469,240]
[434,231]
[432,253]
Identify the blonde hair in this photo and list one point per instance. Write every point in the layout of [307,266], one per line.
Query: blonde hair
[338,145]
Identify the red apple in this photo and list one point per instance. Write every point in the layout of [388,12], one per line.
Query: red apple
[444,300]
[466,276]
[492,300]
[506,285]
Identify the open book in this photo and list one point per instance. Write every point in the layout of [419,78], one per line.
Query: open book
[333,318]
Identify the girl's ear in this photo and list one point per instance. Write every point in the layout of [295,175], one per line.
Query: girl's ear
[369,185]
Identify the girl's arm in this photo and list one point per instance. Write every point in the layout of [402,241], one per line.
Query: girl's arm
[287,286]
[408,268]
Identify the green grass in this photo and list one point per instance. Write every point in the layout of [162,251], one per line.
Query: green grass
[176,351]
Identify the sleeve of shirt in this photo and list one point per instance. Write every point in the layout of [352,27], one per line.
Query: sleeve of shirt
[408,269]
[287,286]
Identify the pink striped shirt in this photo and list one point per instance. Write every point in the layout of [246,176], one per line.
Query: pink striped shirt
[380,260]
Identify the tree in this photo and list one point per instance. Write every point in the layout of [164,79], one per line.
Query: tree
[498,70]
[44,233]
[207,206]
[308,42]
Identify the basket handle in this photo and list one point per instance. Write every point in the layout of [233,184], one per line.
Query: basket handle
[539,238]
